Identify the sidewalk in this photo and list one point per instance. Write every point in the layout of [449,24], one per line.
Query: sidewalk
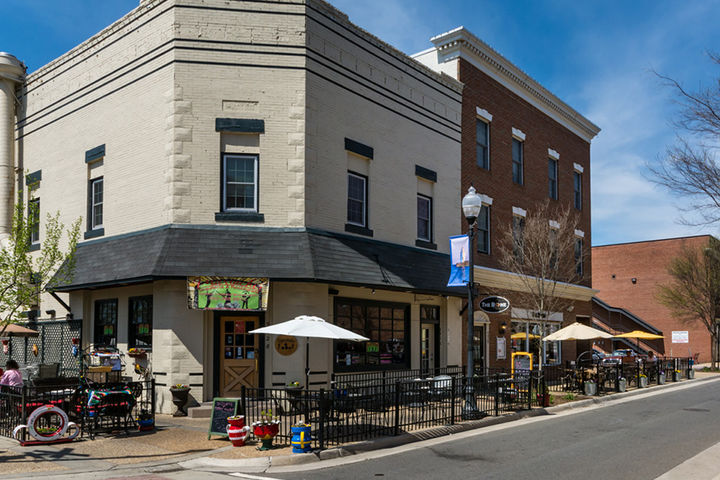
[181,443]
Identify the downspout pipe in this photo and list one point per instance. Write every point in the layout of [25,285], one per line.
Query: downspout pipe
[12,75]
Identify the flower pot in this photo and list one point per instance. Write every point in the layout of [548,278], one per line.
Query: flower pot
[180,398]
[676,376]
[661,379]
[622,385]
[301,440]
[590,388]
[145,424]
[237,430]
[266,432]
[643,382]
[691,374]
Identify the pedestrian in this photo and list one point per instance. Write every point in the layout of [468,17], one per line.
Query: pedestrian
[651,357]
[12,376]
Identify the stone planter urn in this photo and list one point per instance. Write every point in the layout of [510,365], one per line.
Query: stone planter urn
[622,385]
[676,376]
[643,383]
[661,379]
[180,398]
[590,388]
[691,374]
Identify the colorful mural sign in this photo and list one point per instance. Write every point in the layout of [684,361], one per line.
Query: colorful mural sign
[223,293]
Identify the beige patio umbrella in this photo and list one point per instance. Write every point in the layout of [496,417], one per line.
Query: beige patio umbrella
[15,330]
[576,331]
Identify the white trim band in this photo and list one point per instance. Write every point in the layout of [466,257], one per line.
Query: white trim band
[554,224]
[553,154]
[486,200]
[578,168]
[517,133]
[579,233]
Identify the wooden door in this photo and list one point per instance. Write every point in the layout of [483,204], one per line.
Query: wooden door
[427,348]
[238,355]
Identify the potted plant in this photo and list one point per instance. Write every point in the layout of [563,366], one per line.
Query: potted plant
[266,428]
[237,430]
[691,373]
[180,393]
[676,375]
[661,378]
[137,353]
[301,440]
[145,421]
[642,381]
[622,384]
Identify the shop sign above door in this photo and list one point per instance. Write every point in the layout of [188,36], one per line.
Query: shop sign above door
[286,344]
[494,304]
[228,293]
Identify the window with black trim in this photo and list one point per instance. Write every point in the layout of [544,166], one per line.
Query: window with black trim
[387,325]
[518,233]
[483,230]
[553,178]
[357,199]
[33,221]
[240,183]
[140,322]
[96,203]
[482,144]
[577,182]
[579,257]
[424,218]
[105,322]
[517,161]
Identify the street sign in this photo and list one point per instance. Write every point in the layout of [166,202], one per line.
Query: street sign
[494,304]
[680,337]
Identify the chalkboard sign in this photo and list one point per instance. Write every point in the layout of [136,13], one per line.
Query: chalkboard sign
[222,408]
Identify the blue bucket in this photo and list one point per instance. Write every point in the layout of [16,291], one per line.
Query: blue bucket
[301,440]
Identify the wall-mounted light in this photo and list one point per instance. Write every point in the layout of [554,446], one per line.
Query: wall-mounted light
[633,280]
[503,327]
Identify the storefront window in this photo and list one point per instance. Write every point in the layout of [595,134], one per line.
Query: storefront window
[106,323]
[527,337]
[141,320]
[387,327]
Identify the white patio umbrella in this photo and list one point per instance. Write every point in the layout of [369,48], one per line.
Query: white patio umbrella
[576,331]
[310,327]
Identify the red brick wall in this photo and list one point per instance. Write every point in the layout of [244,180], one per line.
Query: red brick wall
[647,262]
[542,132]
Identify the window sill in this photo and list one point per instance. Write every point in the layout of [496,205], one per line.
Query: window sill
[34,247]
[98,232]
[425,244]
[349,227]
[239,217]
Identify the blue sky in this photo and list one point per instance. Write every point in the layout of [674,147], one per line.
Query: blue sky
[596,56]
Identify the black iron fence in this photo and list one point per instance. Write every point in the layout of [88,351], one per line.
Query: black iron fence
[54,346]
[390,376]
[352,412]
[94,407]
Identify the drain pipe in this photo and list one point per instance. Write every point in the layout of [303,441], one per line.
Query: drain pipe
[12,74]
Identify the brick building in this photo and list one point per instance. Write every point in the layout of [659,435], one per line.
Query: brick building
[520,146]
[627,275]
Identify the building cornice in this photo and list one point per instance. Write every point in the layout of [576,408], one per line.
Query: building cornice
[461,43]
[504,280]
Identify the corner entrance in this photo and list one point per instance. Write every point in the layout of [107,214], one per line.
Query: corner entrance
[239,352]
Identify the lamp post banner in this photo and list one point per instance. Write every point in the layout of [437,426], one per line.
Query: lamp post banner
[459,270]
[222,293]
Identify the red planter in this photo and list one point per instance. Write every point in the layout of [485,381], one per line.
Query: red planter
[237,431]
[266,431]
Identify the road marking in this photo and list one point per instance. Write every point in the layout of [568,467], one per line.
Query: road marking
[703,466]
[252,477]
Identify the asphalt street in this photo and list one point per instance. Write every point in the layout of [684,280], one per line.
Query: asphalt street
[639,439]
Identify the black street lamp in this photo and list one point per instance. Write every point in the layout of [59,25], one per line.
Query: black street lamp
[471,205]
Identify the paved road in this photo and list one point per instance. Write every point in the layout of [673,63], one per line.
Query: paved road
[639,439]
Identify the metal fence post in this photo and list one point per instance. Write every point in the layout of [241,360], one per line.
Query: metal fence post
[323,419]
[452,400]
[243,396]
[497,394]
[397,407]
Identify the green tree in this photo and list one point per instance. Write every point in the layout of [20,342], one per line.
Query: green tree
[693,294]
[24,273]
